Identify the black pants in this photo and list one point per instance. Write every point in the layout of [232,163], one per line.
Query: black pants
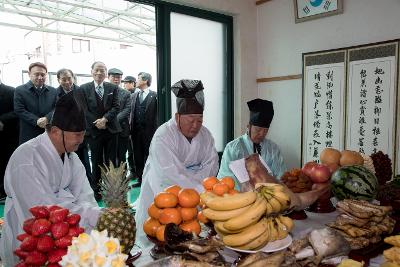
[102,149]
[141,144]
[7,148]
[131,165]
[83,154]
[122,147]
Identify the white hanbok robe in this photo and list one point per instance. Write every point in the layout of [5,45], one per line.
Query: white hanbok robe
[174,160]
[242,147]
[36,175]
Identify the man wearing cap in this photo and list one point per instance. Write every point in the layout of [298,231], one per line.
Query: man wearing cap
[143,122]
[124,98]
[101,121]
[46,171]
[129,83]
[255,141]
[34,103]
[182,151]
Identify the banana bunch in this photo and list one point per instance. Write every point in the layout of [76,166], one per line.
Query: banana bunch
[277,200]
[242,220]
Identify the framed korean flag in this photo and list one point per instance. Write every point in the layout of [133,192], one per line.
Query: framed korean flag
[312,9]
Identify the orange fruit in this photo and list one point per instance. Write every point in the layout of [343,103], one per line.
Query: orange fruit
[160,233]
[220,189]
[191,226]
[153,211]
[201,217]
[188,214]
[209,182]
[150,226]
[174,189]
[165,200]
[232,191]
[170,215]
[228,181]
[188,198]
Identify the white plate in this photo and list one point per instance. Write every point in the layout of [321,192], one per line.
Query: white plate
[270,247]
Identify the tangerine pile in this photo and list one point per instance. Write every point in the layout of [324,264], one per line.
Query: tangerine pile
[173,205]
[220,187]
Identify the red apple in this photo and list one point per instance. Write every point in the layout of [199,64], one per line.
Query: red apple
[320,174]
[308,167]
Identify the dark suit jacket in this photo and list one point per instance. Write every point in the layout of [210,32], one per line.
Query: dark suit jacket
[110,104]
[7,116]
[125,108]
[151,122]
[29,106]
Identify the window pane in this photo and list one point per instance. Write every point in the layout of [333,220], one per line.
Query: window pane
[198,52]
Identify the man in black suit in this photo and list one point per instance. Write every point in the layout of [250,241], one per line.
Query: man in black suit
[101,121]
[65,78]
[124,97]
[8,130]
[34,102]
[130,85]
[143,122]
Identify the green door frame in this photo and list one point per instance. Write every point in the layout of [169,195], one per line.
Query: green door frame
[163,40]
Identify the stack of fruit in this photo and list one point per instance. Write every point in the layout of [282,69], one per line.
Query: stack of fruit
[297,181]
[96,249]
[47,236]
[382,167]
[392,255]
[220,187]
[173,205]
[249,220]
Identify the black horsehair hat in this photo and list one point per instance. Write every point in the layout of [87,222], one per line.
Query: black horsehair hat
[69,113]
[189,96]
[261,112]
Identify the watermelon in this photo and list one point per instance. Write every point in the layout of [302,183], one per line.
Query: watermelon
[354,182]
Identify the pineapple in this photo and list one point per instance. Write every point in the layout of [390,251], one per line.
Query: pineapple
[118,218]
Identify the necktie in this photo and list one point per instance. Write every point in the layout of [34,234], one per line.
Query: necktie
[99,91]
[257,148]
[141,97]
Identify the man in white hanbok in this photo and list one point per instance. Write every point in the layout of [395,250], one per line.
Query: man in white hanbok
[182,151]
[254,141]
[46,171]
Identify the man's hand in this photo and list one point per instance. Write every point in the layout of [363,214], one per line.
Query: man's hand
[100,123]
[42,122]
[1,126]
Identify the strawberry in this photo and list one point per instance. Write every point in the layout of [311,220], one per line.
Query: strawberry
[40,226]
[73,231]
[58,215]
[21,264]
[21,237]
[73,219]
[54,207]
[56,255]
[29,243]
[53,265]
[40,212]
[28,225]
[59,229]
[45,243]
[36,258]
[20,253]
[63,242]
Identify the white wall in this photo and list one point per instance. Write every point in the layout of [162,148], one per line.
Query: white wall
[245,50]
[281,43]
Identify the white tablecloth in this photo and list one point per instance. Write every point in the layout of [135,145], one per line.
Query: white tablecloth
[302,227]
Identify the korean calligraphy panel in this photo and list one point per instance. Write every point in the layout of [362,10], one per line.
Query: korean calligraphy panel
[323,98]
[371,99]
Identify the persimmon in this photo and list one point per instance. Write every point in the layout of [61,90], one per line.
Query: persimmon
[165,200]
[209,182]
[160,233]
[220,189]
[191,227]
[201,217]
[153,211]
[228,181]
[232,191]
[188,214]
[170,215]
[174,189]
[188,198]
[150,226]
